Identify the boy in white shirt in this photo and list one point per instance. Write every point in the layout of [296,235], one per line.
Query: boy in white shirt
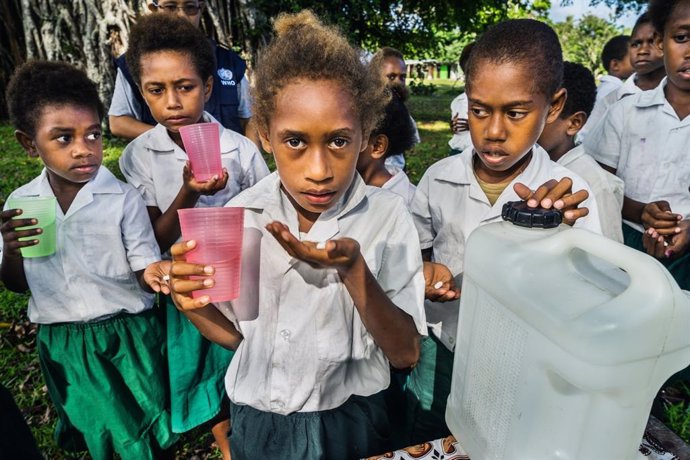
[615,58]
[647,62]
[644,140]
[514,80]
[100,345]
[558,139]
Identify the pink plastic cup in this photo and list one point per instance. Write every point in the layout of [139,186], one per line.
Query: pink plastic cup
[202,144]
[218,233]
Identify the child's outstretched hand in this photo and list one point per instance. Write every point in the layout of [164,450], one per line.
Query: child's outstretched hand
[439,285]
[558,195]
[340,254]
[458,125]
[671,246]
[209,187]
[10,234]
[658,216]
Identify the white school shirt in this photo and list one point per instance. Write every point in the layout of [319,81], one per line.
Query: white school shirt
[607,84]
[602,105]
[308,349]
[460,106]
[449,204]
[400,185]
[104,238]
[124,101]
[607,190]
[153,164]
[645,141]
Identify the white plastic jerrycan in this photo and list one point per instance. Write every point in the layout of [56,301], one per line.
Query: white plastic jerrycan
[564,338]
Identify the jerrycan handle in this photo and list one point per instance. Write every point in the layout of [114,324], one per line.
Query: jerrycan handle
[636,264]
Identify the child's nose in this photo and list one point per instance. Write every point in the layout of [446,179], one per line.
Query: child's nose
[496,128]
[173,100]
[318,165]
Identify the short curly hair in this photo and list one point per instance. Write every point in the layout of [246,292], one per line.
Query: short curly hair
[582,89]
[38,84]
[306,49]
[396,125]
[660,12]
[165,32]
[530,43]
[616,48]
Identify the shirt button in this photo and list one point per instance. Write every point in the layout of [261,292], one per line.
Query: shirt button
[285,334]
[451,340]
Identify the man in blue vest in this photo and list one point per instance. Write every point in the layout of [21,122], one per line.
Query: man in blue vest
[129,116]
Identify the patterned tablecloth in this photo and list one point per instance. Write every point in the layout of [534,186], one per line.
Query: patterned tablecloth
[449,449]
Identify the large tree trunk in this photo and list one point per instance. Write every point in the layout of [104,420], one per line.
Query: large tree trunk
[11,46]
[87,33]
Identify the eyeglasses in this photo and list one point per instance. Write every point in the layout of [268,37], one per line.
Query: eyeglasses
[188,9]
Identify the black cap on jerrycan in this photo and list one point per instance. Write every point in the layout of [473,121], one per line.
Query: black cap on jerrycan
[521,215]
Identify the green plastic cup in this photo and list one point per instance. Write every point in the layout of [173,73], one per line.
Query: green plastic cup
[43,210]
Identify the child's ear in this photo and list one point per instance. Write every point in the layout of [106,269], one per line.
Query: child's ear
[208,88]
[379,146]
[557,104]
[659,41]
[27,143]
[575,123]
[265,143]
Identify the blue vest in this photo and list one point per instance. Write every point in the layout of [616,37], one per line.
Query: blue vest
[224,100]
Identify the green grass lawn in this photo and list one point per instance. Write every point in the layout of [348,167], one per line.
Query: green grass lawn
[18,357]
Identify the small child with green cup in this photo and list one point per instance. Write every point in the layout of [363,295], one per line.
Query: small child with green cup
[100,345]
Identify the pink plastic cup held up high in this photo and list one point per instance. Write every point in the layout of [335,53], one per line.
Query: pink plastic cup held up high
[218,234]
[202,144]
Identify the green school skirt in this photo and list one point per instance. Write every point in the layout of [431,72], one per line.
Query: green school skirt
[359,428]
[107,380]
[679,267]
[197,372]
[427,392]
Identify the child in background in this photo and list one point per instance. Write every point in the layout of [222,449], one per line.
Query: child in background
[615,57]
[395,133]
[340,288]
[558,139]
[129,116]
[458,108]
[391,67]
[647,61]
[514,78]
[100,347]
[172,63]
[644,140]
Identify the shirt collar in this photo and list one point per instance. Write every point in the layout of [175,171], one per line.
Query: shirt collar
[104,182]
[652,97]
[460,170]
[159,141]
[274,202]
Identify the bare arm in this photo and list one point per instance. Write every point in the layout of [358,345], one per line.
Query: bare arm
[126,126]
